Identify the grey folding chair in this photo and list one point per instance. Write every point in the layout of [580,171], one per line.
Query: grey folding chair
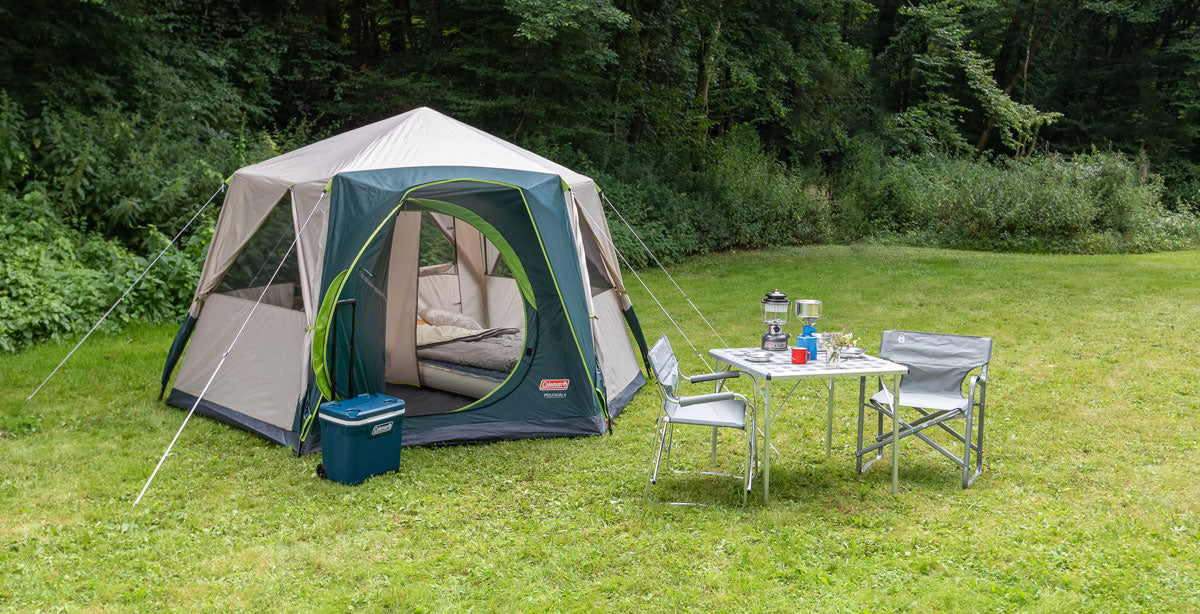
[937,366]
[721,409]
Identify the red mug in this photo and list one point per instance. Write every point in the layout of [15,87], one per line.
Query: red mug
[799,356]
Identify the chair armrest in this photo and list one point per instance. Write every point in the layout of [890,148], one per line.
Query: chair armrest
[976,381]
[708,377]
[706,398]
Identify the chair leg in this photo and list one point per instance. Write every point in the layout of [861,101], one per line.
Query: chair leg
[714,446]
[749,465]
[661,429]
[670,427]
[979,446]
[966,466]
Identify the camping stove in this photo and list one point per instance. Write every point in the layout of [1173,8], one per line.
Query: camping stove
[808,311]
[775,314]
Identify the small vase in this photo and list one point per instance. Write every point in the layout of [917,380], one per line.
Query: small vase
[832,355]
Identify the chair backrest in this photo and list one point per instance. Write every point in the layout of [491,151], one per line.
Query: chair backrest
[937,363]
[665,365]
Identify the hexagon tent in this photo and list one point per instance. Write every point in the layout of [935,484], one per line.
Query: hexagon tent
[431,261]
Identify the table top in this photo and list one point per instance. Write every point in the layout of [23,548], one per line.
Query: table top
[781,367]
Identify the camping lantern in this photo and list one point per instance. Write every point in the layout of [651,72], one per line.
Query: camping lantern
[775,311]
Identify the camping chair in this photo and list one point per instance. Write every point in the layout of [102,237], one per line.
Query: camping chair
[717,410]
[937,365]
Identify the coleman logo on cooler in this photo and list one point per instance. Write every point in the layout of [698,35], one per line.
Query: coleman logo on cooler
[554,384]
[380,429]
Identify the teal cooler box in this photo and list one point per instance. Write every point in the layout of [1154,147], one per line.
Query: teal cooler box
[360,437]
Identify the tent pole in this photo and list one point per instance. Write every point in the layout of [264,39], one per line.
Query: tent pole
[229,349]
[126,293]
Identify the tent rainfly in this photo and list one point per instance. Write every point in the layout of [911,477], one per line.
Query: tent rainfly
[436,263]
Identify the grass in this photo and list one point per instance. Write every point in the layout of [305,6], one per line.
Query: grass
[1087,502]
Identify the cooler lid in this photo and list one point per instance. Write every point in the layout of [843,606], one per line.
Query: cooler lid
[362,406]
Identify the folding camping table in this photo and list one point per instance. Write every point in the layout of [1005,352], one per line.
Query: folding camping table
[780,367]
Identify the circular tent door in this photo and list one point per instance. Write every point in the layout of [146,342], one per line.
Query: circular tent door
[456,318]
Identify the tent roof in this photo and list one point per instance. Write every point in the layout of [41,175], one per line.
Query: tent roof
[421,137]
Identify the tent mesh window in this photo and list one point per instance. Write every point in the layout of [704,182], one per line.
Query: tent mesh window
[595,266]
[437,241]
[259,258]
[500,268]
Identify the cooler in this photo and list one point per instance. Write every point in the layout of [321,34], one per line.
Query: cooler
[360,437]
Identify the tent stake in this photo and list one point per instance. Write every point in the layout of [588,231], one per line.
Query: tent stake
[126,293]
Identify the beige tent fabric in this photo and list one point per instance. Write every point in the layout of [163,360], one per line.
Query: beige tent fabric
[614,348]
[421,137]
[261,377]
[400,348]
[279,295]
[472,291]
[505,308]
[597,225]
[235,226]
[438,291]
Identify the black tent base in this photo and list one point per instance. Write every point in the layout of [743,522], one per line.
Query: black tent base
[425,402]
[232,417]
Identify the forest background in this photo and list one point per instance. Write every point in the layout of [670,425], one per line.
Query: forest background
[1040,126]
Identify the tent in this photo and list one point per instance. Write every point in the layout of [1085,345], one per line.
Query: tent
[471,278]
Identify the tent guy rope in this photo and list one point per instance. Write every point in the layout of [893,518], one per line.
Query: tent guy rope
[663,268]
[225,354]
[648,291]
[127,291]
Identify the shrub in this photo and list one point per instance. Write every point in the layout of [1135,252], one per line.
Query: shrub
[55,281]
[730,194]
[82,199]
[1088,203]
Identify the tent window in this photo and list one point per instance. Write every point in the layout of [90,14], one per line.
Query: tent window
[253,267]
[499,266]
[595,265]
[437,241]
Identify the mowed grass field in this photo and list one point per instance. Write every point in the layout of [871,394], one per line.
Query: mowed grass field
[1088,501]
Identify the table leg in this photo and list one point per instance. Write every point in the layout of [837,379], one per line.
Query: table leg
[829,424]
[766,439]
[895,434]
[862,391]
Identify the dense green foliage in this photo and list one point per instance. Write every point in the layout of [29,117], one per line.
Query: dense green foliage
[1087,203]
[714,125]
[51,273]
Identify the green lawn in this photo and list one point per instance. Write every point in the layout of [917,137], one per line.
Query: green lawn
[1088,500]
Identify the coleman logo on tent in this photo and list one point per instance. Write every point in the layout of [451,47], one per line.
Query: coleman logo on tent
[380,429]
[554,384]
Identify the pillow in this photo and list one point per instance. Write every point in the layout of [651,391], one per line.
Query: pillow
[441,317]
